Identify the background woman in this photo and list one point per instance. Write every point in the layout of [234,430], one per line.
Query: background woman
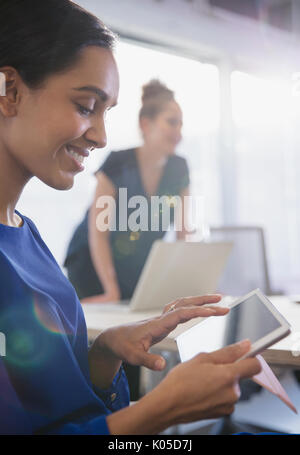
[106,265]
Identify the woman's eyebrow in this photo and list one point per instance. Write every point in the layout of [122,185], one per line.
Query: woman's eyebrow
[98,91]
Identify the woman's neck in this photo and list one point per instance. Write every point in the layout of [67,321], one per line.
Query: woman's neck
[153,157]
[12,181]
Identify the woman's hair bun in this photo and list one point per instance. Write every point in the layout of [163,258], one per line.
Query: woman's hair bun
[156,89]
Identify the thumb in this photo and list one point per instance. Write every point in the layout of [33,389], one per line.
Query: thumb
[229,354]
[152,361]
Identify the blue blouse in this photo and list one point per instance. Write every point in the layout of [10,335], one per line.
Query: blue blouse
[45,387]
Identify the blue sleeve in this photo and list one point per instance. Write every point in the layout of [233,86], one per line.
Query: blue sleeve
[44,374]
[15,420]
[117,396]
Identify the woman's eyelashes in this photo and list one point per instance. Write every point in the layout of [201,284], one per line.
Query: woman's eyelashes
[84,110]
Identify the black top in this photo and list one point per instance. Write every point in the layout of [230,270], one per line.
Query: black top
[129,249]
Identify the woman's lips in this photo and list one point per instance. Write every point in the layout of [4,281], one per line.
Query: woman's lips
[76,157]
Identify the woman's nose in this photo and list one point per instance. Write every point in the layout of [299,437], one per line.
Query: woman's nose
[97,134]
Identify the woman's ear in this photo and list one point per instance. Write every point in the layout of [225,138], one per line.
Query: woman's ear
[145,123]
[10,91]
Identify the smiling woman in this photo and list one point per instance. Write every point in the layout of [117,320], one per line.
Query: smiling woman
[61,77]
[72,121]
[53,86]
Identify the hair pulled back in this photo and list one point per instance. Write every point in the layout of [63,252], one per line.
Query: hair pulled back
[155,97]
[42,37]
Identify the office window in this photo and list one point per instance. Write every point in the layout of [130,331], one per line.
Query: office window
[267,138]
[197,90]
[196,87]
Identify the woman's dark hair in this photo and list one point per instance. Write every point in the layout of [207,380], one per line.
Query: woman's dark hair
[155,97]
[42,37]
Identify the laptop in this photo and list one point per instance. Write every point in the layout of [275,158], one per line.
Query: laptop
[174,270]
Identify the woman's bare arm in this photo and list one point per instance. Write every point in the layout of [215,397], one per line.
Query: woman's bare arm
[99,245]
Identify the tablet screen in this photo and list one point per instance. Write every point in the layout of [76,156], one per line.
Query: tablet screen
[250,319]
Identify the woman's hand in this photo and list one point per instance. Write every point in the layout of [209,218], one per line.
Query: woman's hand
[131,342]
[204,387]
[207,386]
[195,301]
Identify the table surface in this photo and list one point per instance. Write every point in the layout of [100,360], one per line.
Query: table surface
[286,352]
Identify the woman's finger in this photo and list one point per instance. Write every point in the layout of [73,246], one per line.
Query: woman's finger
[228,354]
[192,301]
[219,310]
[169,320]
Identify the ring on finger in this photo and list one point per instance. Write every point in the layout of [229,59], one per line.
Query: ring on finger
[172,307]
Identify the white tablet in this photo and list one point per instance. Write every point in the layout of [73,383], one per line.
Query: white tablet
[252,316]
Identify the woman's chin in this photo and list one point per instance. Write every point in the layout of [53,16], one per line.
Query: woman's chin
[61,182]
[65,187]
[65,184]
